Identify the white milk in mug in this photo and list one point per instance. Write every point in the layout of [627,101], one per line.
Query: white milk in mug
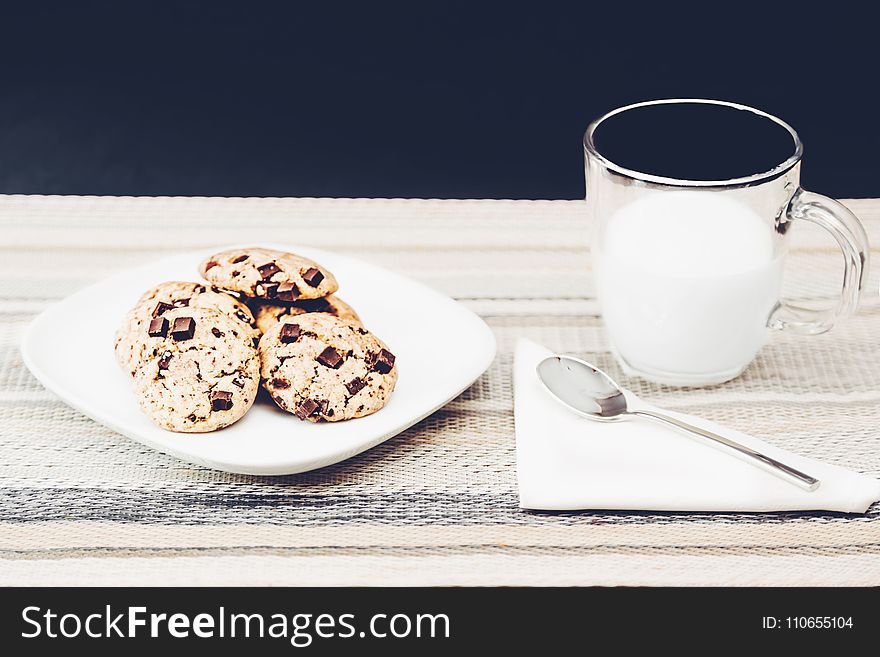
[687,281]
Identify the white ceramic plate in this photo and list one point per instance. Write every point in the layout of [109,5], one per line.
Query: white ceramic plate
[441,348]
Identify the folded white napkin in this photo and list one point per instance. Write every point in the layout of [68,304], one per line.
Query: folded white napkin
[566,462]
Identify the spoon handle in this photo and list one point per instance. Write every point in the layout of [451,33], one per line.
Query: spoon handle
[771,465]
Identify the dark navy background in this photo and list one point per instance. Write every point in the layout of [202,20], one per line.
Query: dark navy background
[418,99]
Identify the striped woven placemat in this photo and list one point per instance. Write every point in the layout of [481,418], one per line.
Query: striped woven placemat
[79,504]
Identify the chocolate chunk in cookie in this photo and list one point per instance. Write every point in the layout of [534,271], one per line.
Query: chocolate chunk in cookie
[158,327]
[306,409]
[382,362]
[287,291]
[289,333]
[355,385]
[165,360]
[184,328]
[161,307]
[221,401]
[330,358]
[270,290]
[312,276]
[268,269]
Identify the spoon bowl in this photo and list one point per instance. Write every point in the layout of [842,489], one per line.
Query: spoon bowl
[583,388]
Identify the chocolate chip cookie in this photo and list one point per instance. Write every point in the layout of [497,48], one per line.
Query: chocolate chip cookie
[269,314]
[325,369]
[268,274]
[199,370]
[170,297]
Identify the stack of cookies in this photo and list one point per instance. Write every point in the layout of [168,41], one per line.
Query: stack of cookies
[197,352]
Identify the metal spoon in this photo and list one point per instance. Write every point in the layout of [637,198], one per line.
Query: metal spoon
[591,393]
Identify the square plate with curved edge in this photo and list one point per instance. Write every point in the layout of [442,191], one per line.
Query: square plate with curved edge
[441,349]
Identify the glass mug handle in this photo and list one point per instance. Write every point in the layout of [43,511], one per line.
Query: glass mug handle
[846,228]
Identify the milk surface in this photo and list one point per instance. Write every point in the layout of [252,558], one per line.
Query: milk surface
[687,281]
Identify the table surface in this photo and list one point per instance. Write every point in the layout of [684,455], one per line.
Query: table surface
[80,504]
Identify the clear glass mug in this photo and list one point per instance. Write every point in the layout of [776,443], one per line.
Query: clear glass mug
[691,201]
